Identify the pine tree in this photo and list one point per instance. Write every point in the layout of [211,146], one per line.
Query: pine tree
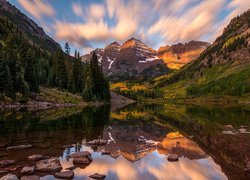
[67,48]
[87,93]
[61,78]
[31,75]
[71,82]
[6,85]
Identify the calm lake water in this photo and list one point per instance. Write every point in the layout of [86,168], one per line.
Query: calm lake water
[140,138]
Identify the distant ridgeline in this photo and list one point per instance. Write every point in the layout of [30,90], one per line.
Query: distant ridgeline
[25,65]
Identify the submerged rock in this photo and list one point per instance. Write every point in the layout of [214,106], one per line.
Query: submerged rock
[36,157]
[173,157]
[65,175]
[5,163]
[28,170]
[49,165]
[98,176]
[68,146]
[9,177]
[97,142]
[228,132]
[30,177]
[248,167]
[21,147]
[106,152]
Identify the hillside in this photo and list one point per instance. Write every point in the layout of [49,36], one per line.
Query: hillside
[33,32]
[222,69]
[27,64]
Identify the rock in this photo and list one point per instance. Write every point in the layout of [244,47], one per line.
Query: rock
[106,152]
[36,157]
[97,142]
[98,176]
[228,126]
[28,170]
[68,146]
[49,165]
[65,175]
[243,126]
[173,157]
[80,154]
[242,130]
[228,132]
[71,168]
[5,163]
[9,177]
[30,177]
[21,147]
[82,160]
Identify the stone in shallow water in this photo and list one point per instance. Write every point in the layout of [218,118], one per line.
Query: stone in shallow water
[173,157]
[28,170]
[49,165]
[65,175]
[30,177]
[21,147]
[228,126]
[97,142]
[5,163]
[248,167]
[9,177]
[36,157]
[81,160]
[98,176]
[80,154]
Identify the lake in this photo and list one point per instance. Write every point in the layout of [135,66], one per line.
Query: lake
[212,142]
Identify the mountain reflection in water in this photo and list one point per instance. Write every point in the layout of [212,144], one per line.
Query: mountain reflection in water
[140,139]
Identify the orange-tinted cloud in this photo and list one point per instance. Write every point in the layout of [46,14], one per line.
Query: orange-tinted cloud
[37,8]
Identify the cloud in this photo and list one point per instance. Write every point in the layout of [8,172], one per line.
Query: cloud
[37,8]
[156,22]
[77,9]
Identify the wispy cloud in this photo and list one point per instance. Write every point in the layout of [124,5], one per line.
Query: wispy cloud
[157,22]
[37,8]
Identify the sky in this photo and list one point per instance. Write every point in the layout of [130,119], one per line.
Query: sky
[90,24]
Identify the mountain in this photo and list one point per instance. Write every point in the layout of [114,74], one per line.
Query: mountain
[222,69]
[178,55]
[35,34]
[129,59]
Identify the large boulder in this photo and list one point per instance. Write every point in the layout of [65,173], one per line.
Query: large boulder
[49,165]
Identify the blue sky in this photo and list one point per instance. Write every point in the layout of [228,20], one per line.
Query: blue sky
[90,24]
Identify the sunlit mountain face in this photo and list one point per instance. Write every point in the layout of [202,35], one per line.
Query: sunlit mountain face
[87,25]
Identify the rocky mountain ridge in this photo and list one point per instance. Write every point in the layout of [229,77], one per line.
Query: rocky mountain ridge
[178,55]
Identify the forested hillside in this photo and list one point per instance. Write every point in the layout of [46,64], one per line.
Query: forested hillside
[24,66]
